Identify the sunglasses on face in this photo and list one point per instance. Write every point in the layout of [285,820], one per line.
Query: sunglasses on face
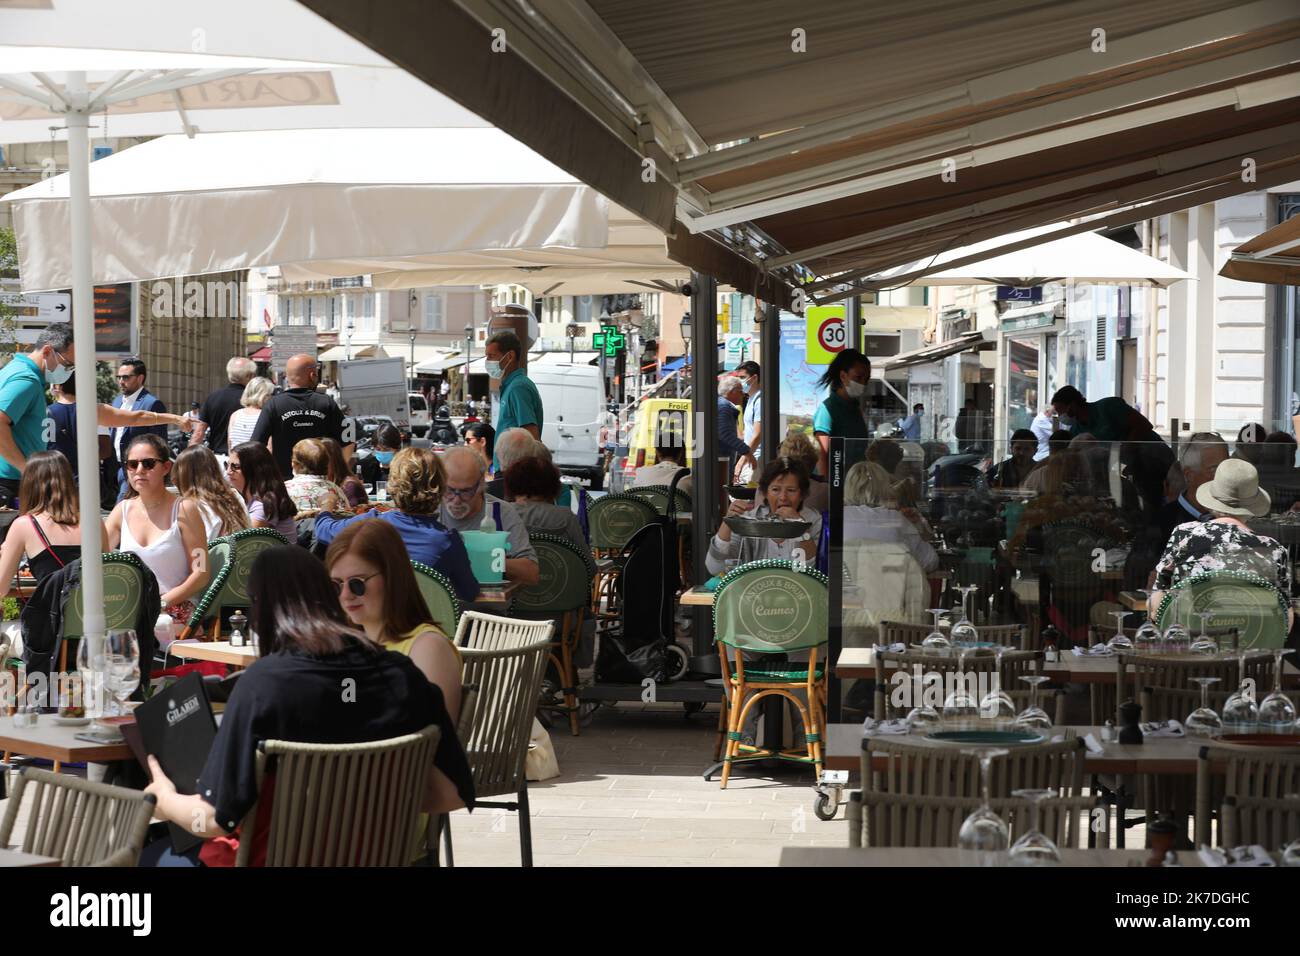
[232,465]
[356,585]
[131,464]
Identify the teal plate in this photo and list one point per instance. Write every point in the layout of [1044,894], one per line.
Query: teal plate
[994,737]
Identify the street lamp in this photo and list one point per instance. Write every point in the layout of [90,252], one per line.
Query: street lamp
[350,328]
[412,358]
[685,327]
[469,355]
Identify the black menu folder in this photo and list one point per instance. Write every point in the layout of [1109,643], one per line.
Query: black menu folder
[177,727]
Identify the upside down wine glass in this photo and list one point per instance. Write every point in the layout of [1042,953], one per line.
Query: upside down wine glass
[1277,715]
[936,640]
[1204,643]
[1034,717]
[997,703]
[1240,712]
[1121,641]
[960,705]
[1034,848]
[1203,721]
[1177,638]
[1147,638]
[984,835]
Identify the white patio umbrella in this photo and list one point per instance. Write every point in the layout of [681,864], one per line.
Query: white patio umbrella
[151,68]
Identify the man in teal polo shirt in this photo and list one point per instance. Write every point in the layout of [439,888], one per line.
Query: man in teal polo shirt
[22,400]
[521,405]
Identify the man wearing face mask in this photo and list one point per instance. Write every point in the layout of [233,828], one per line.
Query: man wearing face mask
[521,405]
[753,414]
[466,506]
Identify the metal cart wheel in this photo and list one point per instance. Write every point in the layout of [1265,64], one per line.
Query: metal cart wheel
[827,805]
[676,662]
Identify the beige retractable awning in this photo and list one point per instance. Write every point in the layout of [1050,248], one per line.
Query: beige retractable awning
[969,341]
[1272,257]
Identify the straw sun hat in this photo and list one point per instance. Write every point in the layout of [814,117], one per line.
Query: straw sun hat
[1234,491]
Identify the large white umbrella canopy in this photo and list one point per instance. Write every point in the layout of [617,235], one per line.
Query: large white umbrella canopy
[140,68]
[1083,257]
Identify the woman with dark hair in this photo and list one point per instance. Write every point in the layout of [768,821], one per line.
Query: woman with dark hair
[533,484]
[198,477]
[782,489]
[416,483]
[307,651]
[354,489]
[481,437]
[255,477]
[48,531]
[160,528]
[371,571]
[840,415]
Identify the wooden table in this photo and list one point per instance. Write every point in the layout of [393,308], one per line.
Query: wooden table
[495,595]
[1155,755]
[1133,600]
[13,858]
[52,741]
[819,856]
[218,651]
[1071,668]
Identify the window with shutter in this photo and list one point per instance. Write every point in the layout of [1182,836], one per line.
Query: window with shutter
[434,308]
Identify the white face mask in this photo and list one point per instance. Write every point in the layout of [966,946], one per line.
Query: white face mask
[855,389]
[59,374]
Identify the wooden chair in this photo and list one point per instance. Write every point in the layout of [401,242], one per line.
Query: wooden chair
[906,819]
[1246,601]
[979,664]
[562,595]
[1225,771]
[80,822]
[341,804]
[496,732]
[766,608]
[1014,636]
[1270,823]
[230,565]
[612,520]
[926,769]
[439,595]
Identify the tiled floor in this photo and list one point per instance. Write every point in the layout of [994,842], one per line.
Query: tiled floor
[630,792]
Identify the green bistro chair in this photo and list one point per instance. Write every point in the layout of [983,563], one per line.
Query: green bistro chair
[657,496]
[123,591]
[444,607]
[228,586]
[611,522]
[562,595]
[1234,599]
[219,566]
[768,608]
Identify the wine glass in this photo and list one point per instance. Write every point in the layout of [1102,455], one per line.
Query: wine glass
[1034,848]
[1177,638]
[1203,721]
[123,655]
[997,703]
[936,640]
[960,704]
[92,663]
[1204,643]
[984,834]
[963,633]
[1034,717]
[1121,641]
[1240,713]
[966,591]
[1277,715]
[1147,638]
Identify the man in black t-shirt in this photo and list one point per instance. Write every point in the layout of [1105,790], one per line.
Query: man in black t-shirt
[298,412]
[214,415]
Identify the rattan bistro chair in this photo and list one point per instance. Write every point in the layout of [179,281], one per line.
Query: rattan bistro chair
[491,632]
[80,822]
[1238,771]
[768,608]
[1249,821]
[907,819]
[1014,636]
[1239,599]
[982,664]
[496,732]
[439,595]
[612,520]
[341,804]
[909,766]
[230,563]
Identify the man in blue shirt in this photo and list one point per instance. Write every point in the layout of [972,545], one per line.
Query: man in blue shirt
[521,405]
[22,400]
[911,425]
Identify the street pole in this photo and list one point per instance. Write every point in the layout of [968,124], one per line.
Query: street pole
[704,455]
[469,355]
[412,379]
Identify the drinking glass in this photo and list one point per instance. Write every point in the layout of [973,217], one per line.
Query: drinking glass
[1277,715]
[963,633]
[1240,713]
[1177,638]
[1204,643]
[1203,721]
[966,591]
[984,834]
[960,705]
[1034,848]
[1147,638]
[92,663]
[997,703]
[936,640]
[1121,641]
[123,655]
[1034,717]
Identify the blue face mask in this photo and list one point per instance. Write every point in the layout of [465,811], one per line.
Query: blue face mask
[747,386]
[384,457]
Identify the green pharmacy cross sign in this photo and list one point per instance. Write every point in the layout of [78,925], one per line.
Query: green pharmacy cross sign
[610,339]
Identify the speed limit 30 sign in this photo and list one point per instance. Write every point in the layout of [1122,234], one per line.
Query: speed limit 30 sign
[826,333]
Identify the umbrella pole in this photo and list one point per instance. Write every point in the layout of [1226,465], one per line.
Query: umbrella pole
[83,330]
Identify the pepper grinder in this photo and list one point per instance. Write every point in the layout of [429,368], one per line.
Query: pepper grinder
[1130,716]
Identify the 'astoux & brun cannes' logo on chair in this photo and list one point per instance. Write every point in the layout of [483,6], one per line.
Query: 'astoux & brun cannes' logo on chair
[774,608]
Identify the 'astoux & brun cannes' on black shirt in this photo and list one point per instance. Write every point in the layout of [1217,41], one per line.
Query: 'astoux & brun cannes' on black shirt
[293,415]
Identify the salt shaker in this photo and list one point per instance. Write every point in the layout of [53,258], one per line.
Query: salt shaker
[238,621]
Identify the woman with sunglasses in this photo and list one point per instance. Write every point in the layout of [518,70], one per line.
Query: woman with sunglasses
[416,483]
[255,477]
[198,478]
[307,651]
[160,528]
[371,571]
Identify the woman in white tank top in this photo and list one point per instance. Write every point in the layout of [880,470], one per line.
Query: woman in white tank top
[165,532]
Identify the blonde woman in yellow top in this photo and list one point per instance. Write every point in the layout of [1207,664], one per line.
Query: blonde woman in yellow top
[377,589]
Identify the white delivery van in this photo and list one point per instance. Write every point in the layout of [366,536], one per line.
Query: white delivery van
[420,417]
[375,387]
[573,404]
